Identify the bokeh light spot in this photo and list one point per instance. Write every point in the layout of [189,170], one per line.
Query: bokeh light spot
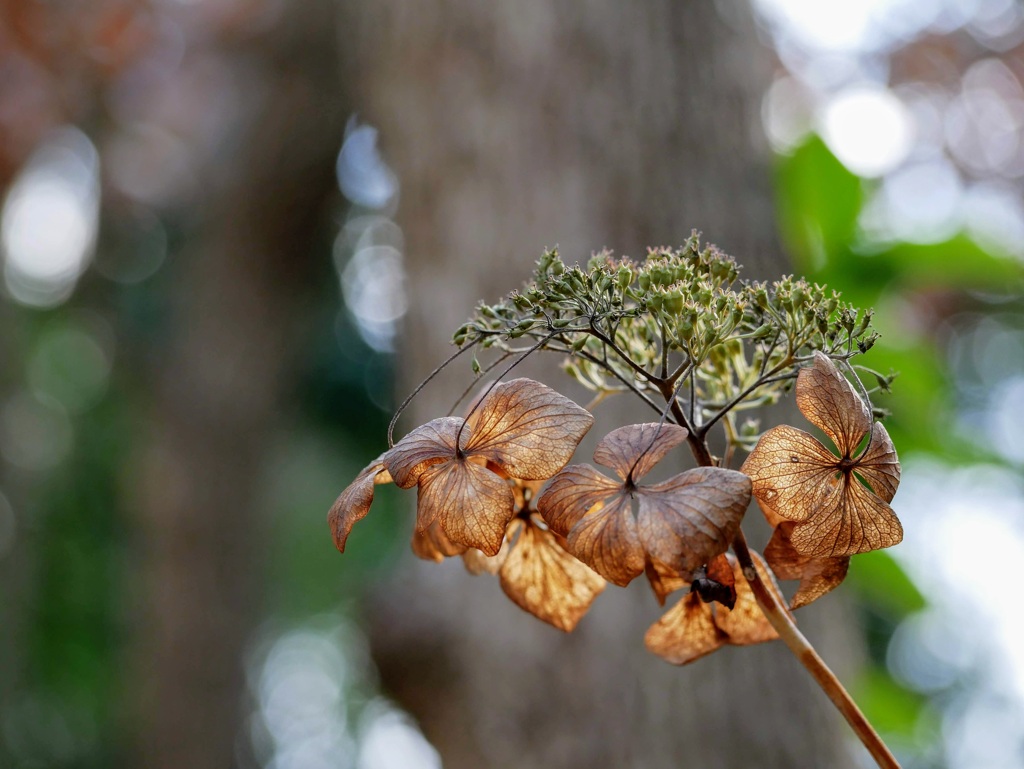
[50,219]
[868,128]
[363,176]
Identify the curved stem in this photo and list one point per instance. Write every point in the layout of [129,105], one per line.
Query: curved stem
[810,659]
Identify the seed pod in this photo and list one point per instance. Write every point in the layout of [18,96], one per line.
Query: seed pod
[624,277]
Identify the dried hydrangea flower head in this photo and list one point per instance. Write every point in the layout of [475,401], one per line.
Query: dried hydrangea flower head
[691,340]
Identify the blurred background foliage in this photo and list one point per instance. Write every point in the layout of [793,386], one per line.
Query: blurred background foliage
[898,128]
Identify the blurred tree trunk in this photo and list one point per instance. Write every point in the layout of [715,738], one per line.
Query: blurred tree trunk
[515,126]
[239,290]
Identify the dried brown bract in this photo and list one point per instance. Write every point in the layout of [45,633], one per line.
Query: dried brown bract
[520,429]
[817,576]
[681,331]
[694,628]
[535,570]
[542,578]
[840,503]
[354,502]
[679,526]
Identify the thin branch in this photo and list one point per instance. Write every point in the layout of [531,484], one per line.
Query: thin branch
[615,348]
[421,385]
[761,382]
[693,395]
[611,370]
[483,372]
[698,445]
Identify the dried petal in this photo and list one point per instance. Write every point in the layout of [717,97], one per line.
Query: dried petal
[663,579]
[606,540]
[542,578]
[685,633]
[879,465]
[427,445]
[354,502]
[640,445]
[525,492]
[829,402]
[571,493]
[472,504]
[817,576]
[478,563]
[693,628]
[721,570]
[745,623]
[848,520]
[527,428]
[690,518]
[790,471]
[432,544]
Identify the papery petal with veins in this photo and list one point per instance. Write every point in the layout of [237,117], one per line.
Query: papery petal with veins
[850,520]
[606,539]
[354,502]
[795,478]
[681,524]
[817,576]
[688,519]
[572,494]
[527,428]
[642,446]
[542,578]
[472,504]
[427,445]
[520,429]
[830,403]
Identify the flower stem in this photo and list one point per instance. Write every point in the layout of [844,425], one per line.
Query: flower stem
[809,658]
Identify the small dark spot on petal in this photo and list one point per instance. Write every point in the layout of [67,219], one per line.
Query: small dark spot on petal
[794,458]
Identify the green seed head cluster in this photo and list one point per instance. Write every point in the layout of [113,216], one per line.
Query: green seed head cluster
[678,313]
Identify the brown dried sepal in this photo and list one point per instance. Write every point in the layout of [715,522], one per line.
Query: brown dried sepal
[521,429]
[817,576]
[679,525]
[692,628]
[432,544]
[663,580]
[354,502]
[840,503]
[543,579]
[533,567]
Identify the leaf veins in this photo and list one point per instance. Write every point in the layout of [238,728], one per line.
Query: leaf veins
[354,502]
[839,503]
[817,576]
[679,525]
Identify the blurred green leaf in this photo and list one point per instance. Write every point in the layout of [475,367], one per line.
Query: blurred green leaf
[884,585]
[888,706]
[819,201]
